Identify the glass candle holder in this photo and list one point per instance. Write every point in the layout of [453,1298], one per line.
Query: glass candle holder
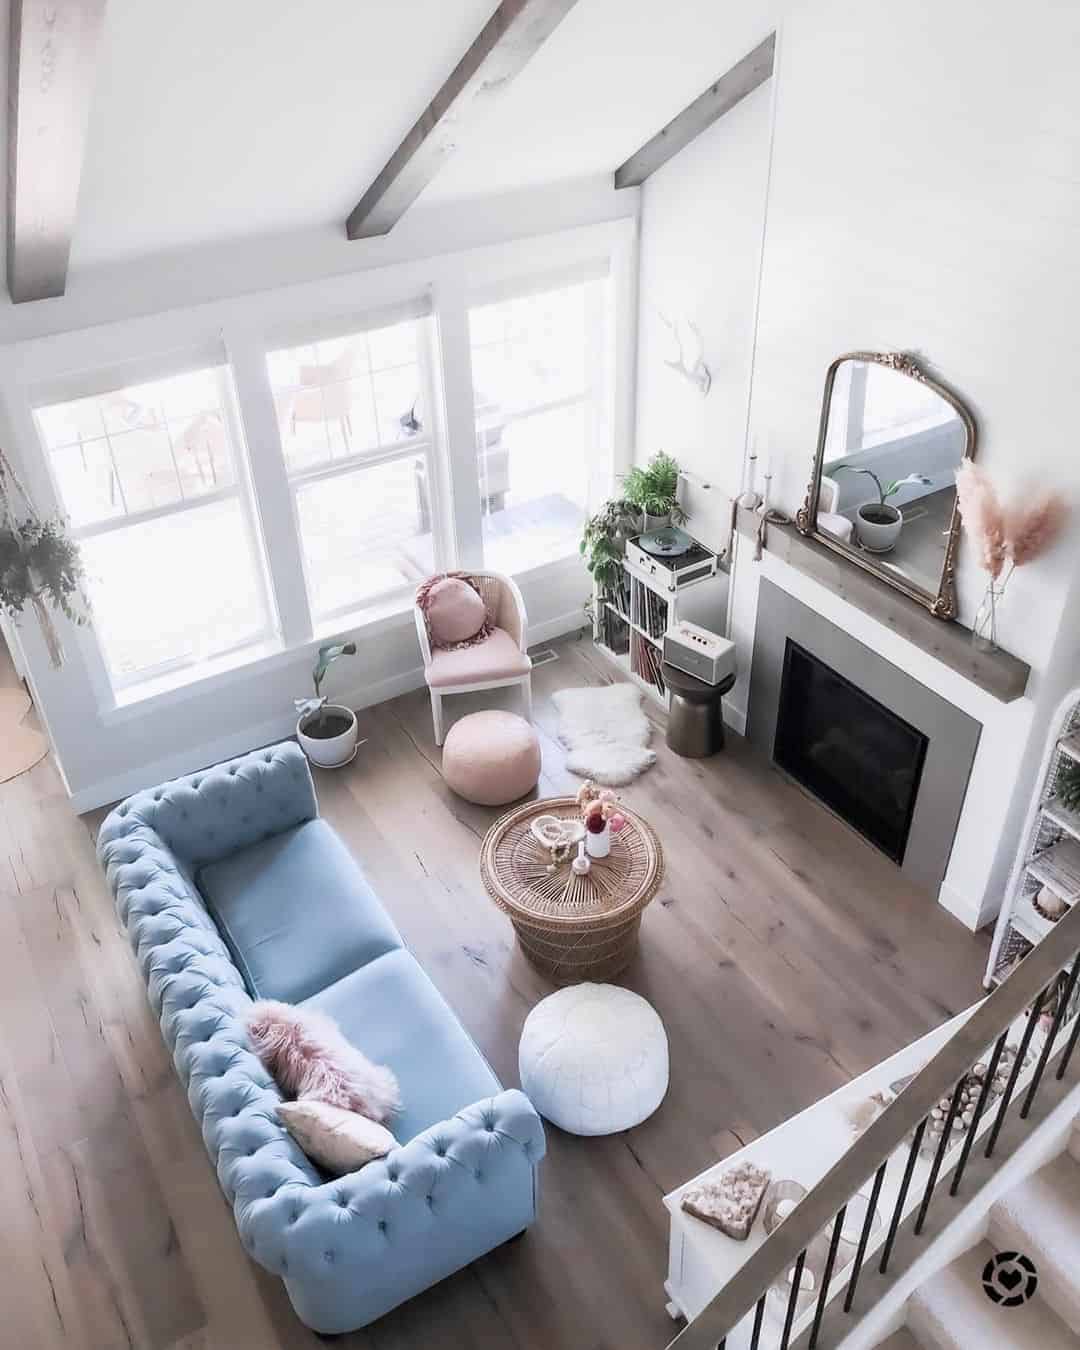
[780,1199]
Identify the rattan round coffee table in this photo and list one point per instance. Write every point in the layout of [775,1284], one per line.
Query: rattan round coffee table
[572,927]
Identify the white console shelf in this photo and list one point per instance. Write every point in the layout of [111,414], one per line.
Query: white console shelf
[629,626]
[1049,853]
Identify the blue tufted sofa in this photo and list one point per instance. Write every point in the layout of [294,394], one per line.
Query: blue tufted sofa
[296,920]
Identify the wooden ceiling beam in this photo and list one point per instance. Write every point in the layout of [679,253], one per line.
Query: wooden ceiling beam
[506,43]
[742,79]
[52,63]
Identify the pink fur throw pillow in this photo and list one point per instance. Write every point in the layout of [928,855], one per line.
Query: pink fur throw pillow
[311,1060]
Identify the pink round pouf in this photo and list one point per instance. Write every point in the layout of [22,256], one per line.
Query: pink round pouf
[491,758]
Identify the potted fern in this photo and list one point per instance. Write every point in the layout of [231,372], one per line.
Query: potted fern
[327,731]
[654,489]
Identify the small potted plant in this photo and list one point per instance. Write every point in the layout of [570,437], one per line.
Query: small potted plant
[878,524]
[326,731]
[653,488]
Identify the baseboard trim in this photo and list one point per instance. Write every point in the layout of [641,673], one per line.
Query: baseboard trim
[277,729]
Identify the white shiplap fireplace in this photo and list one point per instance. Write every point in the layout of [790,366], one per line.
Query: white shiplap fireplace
[991,733]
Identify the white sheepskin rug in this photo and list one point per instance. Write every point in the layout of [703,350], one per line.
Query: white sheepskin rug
[605,733]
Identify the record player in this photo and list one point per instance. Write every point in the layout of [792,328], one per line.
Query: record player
[670,559]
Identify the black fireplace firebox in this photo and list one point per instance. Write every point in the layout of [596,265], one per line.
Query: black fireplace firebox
[849,750]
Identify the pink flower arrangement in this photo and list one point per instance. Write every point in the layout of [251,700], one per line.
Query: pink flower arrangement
[1015,535]
[599,807]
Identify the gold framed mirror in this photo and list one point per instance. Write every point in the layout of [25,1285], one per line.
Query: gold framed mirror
[883,490]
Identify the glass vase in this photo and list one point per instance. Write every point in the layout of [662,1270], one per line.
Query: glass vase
[984,631]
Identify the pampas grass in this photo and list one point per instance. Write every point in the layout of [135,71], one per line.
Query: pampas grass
[1031,531]
[983,518]
[1017,534]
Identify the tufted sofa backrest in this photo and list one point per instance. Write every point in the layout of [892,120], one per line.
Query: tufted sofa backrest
[208,815]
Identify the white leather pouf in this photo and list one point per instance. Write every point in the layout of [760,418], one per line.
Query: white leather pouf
[593,1059]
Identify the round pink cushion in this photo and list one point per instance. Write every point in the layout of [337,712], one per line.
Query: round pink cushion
[491,758]
[454,612]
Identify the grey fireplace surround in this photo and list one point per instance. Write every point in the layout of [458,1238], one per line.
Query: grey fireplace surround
[953,736]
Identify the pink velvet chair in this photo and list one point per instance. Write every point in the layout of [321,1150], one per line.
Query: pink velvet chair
[499,660]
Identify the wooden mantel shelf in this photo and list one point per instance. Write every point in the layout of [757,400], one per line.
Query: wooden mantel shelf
[1001,675]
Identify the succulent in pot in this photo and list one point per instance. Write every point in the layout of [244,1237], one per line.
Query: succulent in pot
[327,732]
[878,524]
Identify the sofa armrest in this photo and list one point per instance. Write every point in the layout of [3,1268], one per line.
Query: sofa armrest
[431,1206]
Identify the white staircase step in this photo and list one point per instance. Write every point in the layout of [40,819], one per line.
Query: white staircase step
[1041,1218]
[951,1312]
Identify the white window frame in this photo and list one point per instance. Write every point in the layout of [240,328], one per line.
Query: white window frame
[102,383]
[108,342]
[426,447]
[606,320]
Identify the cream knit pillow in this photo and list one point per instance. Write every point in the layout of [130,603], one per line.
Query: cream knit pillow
[339,1141]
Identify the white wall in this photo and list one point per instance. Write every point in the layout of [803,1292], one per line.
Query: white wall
[923,195]
[702,217]
[107,751]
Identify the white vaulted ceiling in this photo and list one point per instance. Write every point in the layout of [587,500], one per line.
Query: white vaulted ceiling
[219,119]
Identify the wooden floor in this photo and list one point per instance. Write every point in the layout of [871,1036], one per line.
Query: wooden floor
[783,954]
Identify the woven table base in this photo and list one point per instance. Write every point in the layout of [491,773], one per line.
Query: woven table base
[572,928]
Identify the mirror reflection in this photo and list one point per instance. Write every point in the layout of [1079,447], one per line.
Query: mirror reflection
[891,448]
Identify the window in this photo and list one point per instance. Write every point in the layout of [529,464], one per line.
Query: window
[542,420]
[151,479]
[358,450]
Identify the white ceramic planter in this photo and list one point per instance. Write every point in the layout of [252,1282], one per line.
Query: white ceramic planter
[875,536]
[329,752]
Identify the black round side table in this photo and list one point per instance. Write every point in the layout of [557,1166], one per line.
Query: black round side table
[695,726]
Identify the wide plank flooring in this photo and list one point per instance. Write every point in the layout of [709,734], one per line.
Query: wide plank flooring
[783,954]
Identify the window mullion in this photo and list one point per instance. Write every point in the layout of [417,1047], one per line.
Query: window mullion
[459,426]
[272,491]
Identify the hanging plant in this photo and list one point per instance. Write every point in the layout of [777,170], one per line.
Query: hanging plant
[40,564]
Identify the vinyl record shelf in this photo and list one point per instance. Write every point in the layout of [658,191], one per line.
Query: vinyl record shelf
[629,623]
[1049,858]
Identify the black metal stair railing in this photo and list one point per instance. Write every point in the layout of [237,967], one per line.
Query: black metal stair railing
[1048,973]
